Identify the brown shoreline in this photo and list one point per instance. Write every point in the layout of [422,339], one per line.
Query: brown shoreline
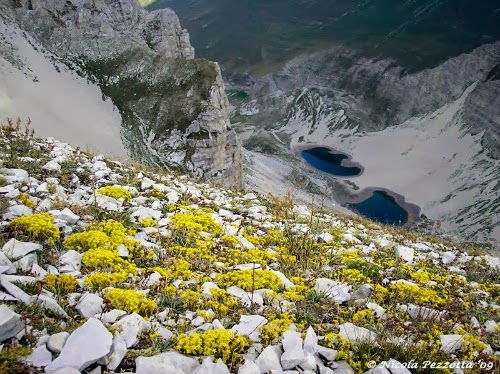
[354,197]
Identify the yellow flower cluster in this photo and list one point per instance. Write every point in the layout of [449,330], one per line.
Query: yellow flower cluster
[249,279]
[115,192]
[275,327]
[339,343]
[107,260]
[24,199]
[61,284]
[411,293]
[295,293]
[84,241]
[194,222]
[221,302]
[364,316]
[220,343]
[350,275]
[39,226]
[130,301]
[148,222]
[99,280]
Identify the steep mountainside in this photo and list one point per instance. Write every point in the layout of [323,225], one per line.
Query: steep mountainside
[108,268]
[173,107]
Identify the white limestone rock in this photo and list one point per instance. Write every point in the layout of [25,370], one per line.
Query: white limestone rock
[207,287]
[26,263]
[249,367]
[49,303]
[311,341]
[90,304]
[15,291]
[70,262]
[131,326]
[118,352]
[85,346]
[328,354]
[15,175]
[450,343]
[56,342]
[52,166]
[269,359]
[405,253]
[292,347]
[283,278]
[40,357]
[337,291]
[10,323]
[17,211]
[249,325]
[6,265]
[15,249]
[209,367]
[168,362]
[111,316]
[108,203]
[490,326]
[356,334]
[448,257]
[146,212]
[65,215]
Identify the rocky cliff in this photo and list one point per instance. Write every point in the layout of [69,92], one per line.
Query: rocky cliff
[173,106]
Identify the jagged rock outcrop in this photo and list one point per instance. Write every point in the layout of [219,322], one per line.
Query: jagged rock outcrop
[173,106]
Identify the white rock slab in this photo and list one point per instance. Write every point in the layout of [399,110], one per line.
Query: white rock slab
[15,249]
[450,343]
[269,359]
[405,253]
[131,326]
[56,342]
[249,367]
[40,357]
[90,304]
[209,367]
[292,347]
[249,325]
[85,346]
[168,362]
[356,334]
[10,323]
[337,291]
[118,352]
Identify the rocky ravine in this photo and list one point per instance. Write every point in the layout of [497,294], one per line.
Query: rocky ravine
[432,136]
[173,107]
[104,267]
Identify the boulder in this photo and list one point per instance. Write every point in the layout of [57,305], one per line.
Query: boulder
[167,362]
[269,359]
[40,357]
[356,334]
[85,346]
[249,325]
[337,291]
[15,249]
[90,304]
[56,342]
[10,323]
[292,347]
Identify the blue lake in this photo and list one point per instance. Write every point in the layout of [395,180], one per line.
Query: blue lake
[381,207]
[329,162]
